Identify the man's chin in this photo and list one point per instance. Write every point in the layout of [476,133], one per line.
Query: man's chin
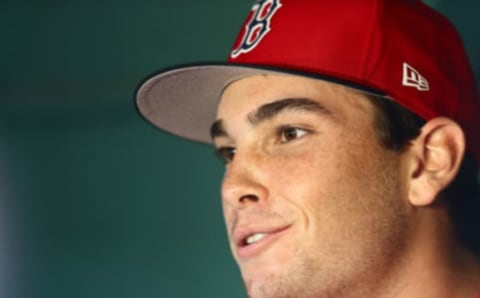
[262,284]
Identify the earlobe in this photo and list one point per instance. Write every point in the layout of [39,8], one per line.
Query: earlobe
[436,155]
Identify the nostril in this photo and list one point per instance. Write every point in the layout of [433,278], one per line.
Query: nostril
[249,197]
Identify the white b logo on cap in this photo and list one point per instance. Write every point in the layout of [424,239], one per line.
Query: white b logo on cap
[258,25]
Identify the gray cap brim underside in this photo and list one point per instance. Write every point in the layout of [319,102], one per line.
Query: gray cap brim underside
[184,101]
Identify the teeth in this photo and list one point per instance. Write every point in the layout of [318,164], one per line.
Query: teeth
[255,237]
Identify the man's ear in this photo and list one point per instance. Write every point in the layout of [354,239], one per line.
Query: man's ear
[435,157]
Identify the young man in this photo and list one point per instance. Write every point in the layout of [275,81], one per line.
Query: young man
[350,135]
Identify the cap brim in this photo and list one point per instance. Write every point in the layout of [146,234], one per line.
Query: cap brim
[183,100]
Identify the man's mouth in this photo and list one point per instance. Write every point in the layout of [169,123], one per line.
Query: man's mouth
[254,238]
[249,244]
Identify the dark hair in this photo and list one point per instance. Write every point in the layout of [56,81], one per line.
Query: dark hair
[396,127]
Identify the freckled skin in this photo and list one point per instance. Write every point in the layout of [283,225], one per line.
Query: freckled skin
[343,194]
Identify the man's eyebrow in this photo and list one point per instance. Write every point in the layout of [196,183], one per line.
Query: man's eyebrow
[217,129]
[272,109]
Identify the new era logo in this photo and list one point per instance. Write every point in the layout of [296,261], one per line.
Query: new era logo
[412,78]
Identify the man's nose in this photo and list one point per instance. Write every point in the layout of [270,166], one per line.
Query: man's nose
[244,181]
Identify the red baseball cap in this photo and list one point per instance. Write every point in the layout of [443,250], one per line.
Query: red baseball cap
[400,49]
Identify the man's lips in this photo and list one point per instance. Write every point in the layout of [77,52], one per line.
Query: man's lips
[250,241]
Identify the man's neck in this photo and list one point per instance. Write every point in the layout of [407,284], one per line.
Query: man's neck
[436,265]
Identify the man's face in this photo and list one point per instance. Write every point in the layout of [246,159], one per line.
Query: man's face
[314,205]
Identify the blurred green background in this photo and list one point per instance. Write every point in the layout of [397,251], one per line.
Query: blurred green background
[94,201]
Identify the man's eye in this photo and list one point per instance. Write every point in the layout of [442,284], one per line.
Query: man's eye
[226,154]
[289,133]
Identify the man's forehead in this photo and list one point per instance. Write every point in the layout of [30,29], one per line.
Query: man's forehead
[253,91]
[255,99]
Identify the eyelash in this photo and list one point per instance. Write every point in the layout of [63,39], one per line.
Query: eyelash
[283,130]
[226,154]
